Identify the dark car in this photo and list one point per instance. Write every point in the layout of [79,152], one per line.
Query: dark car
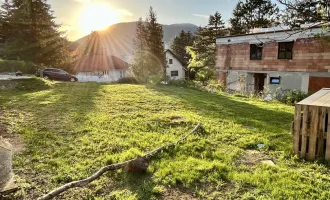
[57,74]
[19,73]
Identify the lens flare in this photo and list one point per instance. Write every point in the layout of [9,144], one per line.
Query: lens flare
[97,17]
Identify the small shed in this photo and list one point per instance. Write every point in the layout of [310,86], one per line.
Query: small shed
[310,126]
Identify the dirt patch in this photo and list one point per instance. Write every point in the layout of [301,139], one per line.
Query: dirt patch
[177,119]
[254,157]
[175,193]
[13,138]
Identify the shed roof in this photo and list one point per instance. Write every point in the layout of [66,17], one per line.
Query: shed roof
[320,98]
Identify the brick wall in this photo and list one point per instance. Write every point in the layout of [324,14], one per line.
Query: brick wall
[309,55]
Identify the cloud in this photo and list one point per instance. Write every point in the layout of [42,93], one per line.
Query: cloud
[124,12]
[202,16]
[83,1]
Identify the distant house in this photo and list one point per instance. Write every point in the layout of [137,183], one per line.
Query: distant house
[100,68]
[285,59]
[175,69]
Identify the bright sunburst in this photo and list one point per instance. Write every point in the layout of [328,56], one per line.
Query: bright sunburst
[97,17]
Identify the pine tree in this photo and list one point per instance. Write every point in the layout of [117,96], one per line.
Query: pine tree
[253,14]
[299,12]
[216,26]
[203,51]
[32,35]
[237,22]
[4,24]
[180,44]
[140,64]
[149,62]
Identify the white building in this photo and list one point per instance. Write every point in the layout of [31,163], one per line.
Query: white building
[100,68]
[175,69]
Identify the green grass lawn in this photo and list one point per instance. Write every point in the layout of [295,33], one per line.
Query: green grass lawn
[70,130]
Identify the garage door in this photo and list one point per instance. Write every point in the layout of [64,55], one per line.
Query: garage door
[317,83]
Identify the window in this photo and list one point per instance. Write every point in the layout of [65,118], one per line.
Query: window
[285,50]
[275,80]
[122,74]
[62,72]
[170,61]
[174,73]
[255,52]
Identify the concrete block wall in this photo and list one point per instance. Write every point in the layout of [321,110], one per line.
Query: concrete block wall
[309,55]
[289,80]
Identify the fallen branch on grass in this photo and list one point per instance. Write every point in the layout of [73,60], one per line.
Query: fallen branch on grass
[84,182]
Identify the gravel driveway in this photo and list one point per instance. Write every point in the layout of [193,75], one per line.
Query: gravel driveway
[12,77]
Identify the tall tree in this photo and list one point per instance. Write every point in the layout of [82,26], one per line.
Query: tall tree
[216,26]
[31,33]
[180,44]
[149,62]
[253,14]
[203,51]
[299,12]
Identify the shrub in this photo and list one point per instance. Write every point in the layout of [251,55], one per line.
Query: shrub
[14,66]
[292,96]
[210,86]
[214,86]
[128,80]
[180,83]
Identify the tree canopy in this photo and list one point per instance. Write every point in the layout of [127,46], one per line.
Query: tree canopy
[31,33]
[149,62]
[179,45]
[203,51]
[300,12]
[251,14]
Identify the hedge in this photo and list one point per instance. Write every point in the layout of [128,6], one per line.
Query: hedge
[14,66]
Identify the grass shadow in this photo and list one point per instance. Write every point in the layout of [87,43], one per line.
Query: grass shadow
[264,119]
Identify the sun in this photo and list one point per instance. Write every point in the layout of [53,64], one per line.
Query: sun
[97,17]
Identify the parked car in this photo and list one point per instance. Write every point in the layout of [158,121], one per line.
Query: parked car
[56,74]
[19,73]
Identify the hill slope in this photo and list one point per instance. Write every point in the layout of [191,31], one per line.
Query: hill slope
[118,38]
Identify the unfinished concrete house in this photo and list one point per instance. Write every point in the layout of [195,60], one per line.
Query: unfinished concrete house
[284,59]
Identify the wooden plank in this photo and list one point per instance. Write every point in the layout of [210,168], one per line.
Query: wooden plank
[314,97]
[313,133]
[327,104]
[327,150]
[296,132]
[304,132]
[9,187]
[321,131]
[321,101]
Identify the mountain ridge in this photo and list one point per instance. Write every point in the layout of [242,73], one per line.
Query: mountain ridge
[118,38]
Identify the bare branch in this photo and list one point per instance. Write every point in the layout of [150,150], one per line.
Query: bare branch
[84,182]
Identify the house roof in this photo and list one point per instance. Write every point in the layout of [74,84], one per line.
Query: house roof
[320,98]
[269,36]
[92,63]
[175,56]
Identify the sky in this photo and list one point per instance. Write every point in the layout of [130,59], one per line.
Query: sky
[79,17]
[70,12]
